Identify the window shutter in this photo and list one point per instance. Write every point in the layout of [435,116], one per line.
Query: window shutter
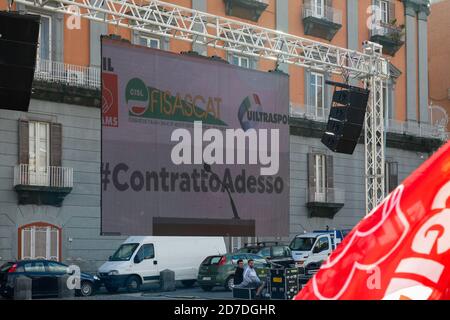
[329,178]
[393,176]
[391,12]
[24,144]
[311,175]
[329,4]
[330,172]
[55,144]
[307,88]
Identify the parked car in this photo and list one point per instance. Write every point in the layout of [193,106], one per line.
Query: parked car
[44,275]
[218,270]
[140,260]
[274,252]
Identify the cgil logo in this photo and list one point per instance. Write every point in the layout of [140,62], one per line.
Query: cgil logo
[110,107]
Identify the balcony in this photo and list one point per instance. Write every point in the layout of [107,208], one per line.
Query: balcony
[44,186]
[309,112]
[68,74]
[246,9]
[324,203]
[422,130]
[321,21]
[391,37]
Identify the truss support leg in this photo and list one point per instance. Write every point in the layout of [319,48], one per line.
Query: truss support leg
[374,145]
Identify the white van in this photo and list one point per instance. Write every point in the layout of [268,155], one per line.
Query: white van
[139,260]
[310,250]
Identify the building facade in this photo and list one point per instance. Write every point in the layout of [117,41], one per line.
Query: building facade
[50,156]
[439,68]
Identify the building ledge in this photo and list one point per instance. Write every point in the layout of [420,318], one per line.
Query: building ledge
[391,37]
[390,46]
[314,129]
[41,195]
[323,209]
[246,9]
[321,21]
[320,27]
[65,93]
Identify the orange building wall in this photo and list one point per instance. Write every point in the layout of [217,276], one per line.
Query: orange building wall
[76,44]
[439,54]
[399,60]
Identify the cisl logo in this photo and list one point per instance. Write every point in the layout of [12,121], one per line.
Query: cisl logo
[110,106]
[136,97]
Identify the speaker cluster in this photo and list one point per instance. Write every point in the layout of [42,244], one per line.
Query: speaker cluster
[18,46]
[346,120]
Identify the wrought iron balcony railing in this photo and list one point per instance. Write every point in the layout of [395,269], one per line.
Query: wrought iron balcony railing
[55,177]
[322,12]
[69,74]
[325,195]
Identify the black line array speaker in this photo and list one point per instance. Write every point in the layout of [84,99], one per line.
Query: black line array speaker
[18,45]
[346,120]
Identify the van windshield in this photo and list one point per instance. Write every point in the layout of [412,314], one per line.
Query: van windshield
[124,252]
[302,243]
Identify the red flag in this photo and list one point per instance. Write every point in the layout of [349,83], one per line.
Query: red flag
[401,250]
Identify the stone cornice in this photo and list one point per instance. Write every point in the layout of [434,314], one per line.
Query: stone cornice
[421,7]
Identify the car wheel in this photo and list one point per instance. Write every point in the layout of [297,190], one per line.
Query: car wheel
[133,284]
[206,288]
[86,289]
[188,283]
[111,289]
[229,283]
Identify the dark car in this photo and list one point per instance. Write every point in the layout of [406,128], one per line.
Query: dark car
[274,252]
[44,275]
[219,270]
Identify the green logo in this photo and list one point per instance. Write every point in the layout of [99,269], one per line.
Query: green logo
[152,103]
[136,97]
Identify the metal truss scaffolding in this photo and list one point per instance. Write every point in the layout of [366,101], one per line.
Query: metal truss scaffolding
[169,20]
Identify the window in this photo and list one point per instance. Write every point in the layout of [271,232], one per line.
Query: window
[150,42]
[146,252]
[39,153]
[236,258]
[317,94]
[124,252]
[39,145]
[391,176]
[318,8]
[37,266]
[54,267]
[302,243]
[39,242]
[279,252]
[383,7]
[45,38]
[322,245]
[241,61]
[257,259]
[320,175]
[265,252]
